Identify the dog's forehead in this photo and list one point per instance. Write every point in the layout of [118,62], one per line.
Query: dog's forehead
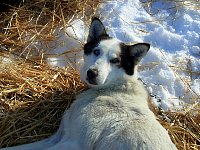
[111,46]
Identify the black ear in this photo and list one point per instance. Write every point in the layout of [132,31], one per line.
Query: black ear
[138,51]
[131,55]
[97,30]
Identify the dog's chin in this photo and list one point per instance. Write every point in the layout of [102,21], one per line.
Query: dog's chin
[93,83]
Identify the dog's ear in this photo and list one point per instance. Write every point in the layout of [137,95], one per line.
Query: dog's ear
[138,51]
[131,56]
[97,30]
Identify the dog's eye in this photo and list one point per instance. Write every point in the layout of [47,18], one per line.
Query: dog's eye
[96,52]
[115,60]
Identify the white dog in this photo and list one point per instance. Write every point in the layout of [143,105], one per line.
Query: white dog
[114,113]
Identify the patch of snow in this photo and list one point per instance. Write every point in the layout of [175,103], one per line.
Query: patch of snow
[196,85]
[195,50]
[4,61]
[69,39]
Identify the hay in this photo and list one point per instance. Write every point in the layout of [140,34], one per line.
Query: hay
[33,99]
[183,127]
[33,96]
[36,21]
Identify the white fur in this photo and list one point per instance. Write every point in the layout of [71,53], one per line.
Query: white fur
[113,115]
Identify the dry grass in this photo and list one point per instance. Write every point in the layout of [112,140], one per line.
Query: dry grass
[34,22]
[33,99]
[182,126]
[33,96]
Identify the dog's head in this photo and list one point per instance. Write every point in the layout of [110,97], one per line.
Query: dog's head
[107,60]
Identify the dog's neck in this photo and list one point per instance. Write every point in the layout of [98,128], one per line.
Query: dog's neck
[132,90]
[128,83]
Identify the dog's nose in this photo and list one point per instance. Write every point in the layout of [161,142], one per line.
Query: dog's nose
[92,73]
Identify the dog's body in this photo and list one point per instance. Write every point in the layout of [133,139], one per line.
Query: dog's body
[114,113]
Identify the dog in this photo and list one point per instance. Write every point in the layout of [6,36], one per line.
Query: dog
[113,114]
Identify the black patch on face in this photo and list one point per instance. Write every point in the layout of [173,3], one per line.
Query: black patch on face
[88,47]
[128,61]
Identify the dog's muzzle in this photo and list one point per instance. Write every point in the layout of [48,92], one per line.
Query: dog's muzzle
[92,76]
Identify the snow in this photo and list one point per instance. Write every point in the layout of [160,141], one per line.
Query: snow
[175,46]
[196,86]
[67,39]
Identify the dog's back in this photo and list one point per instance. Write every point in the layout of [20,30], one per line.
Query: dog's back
[118,118]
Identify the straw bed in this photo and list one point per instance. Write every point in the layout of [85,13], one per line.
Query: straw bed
[183,127]
[34,22]
[33,99]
